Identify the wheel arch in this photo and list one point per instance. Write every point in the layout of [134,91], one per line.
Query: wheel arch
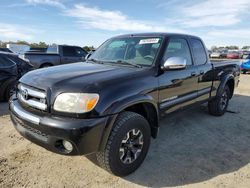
[45,63]
[227,80]
[142,105]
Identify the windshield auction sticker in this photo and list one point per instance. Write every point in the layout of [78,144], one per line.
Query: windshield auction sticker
[149,41]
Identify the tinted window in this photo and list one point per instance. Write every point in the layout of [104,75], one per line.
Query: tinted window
[200,56]
[69,51]
[80,52]
[5,62]
[178,48]
[52,49]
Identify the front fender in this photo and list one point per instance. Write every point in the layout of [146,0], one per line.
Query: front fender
[118,107]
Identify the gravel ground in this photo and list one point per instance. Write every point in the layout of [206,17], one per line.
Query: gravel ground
[193,149]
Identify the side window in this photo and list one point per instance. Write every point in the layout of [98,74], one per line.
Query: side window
[200,56]
[52,49]
[5,62]
[69,51]
[80,52]
[178,47]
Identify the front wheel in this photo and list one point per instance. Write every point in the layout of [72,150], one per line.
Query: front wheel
[127,145]
[218,106]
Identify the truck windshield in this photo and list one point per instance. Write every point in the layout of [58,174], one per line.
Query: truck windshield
[133,50]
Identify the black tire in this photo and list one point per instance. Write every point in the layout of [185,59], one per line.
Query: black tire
[111,158]
[244,71]
[218,106]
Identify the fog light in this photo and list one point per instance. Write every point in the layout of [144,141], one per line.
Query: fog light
[67,145]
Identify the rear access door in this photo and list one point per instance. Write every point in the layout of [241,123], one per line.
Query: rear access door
[204,69]
[178,88]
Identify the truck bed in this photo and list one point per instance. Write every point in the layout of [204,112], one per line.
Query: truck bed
[218,63]
[40,53]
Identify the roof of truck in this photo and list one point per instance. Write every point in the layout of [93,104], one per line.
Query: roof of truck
[157,34]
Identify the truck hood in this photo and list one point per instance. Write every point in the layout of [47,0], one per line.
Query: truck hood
[75,77]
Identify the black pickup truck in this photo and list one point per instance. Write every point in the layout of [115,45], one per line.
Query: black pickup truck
[111,105]
[56,55]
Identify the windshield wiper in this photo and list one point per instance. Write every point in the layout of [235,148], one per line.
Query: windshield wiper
[127,63]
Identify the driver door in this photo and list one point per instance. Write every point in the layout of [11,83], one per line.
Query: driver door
[178,88]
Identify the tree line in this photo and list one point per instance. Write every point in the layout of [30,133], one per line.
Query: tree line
[37,45]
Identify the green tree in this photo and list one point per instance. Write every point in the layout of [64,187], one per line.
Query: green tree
[232,47]
[86,48]
[214,48]
[245,47]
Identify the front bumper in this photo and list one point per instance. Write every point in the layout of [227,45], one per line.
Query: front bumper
[49,131]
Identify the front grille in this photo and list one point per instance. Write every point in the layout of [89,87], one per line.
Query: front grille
[32,97]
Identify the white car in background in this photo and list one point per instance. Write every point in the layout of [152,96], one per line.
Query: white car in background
[215,55]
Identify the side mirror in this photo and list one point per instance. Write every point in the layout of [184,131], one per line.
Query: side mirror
[87,56]
[174,63]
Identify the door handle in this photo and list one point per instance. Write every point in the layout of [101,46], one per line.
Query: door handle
[193,73]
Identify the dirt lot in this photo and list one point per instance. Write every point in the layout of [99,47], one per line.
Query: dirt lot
[193,149]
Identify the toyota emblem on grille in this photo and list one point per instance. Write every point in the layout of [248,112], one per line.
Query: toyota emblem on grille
[25,94]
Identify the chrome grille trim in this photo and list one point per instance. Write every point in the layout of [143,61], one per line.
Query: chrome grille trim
[32,97]
[32,92]
[32,103]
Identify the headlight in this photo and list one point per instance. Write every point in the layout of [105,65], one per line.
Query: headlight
[76,102]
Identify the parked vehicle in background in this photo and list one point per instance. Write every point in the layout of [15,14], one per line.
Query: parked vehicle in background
[111,105]
[89,54]
[37,50]
[223,54]
[245,66]
[5,50]
[11,69]
[215,55]
[19,49]
[233,55]
[56,55]
[245,54]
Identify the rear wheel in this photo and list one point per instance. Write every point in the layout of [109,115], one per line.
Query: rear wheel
[244,71]
[218,106]
[127,145]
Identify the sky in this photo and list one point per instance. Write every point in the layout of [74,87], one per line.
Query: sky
[79,22]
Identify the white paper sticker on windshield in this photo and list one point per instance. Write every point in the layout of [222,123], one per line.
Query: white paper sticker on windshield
[149,41]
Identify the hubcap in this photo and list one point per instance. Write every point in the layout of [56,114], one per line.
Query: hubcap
[131,146]
[223,100]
